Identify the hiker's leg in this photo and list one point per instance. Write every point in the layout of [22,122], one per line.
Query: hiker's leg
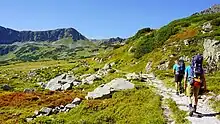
[196,93]
[189,94]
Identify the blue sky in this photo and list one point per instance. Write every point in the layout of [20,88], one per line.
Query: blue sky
[96,18]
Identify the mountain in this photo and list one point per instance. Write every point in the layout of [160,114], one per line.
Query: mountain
[9,36]
[113,40]
[213,9]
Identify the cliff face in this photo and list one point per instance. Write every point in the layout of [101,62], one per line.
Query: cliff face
[9,36]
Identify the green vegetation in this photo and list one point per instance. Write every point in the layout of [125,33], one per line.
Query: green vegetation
[131,106]
[177,114]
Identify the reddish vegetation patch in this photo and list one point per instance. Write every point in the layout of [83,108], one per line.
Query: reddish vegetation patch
[20,99]
[188,33]
[100,104]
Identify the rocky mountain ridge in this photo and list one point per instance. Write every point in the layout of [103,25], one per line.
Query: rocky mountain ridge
[9,36]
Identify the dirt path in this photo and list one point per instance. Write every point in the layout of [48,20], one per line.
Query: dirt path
[182,102]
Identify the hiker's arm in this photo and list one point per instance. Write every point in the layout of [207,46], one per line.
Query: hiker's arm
[185,78]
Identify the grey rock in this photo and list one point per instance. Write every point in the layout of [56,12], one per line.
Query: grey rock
[207,27]
[76,83]
[90,79]
[29,90]
[211,54]
[46,111]
[76,101]
[66,86]
[62,82]
[6,87]
[148,66]
[105,90]
[163,65]
[70,106]
[132,76]
[120,84]
[186,42]
[29,119]
[62,106]
[107,66]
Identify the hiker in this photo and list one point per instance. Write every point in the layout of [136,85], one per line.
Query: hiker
[178,70]
[193,80]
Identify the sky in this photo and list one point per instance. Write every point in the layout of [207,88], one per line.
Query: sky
[96,18]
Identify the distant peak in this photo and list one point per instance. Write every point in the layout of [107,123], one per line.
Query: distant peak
[211,10]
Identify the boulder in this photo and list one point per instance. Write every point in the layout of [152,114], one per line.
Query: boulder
[70,106]
[6,87]
[46,111]
[29,90]
[76,101]
[90,79]
[120,84]
[62,82]
[212,53]
[105,90]
[207,27]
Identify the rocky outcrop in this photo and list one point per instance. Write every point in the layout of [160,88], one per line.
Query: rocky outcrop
[6,87]
[207,27]
[46,111]
[9,36]
[211,10]
[163,65]
[62,82]
[212,53]
[105,90]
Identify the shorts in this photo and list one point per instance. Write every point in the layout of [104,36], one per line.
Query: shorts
[192,90]
[178,78]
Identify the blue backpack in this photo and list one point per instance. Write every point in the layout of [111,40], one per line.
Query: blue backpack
[196,67]
[181,67]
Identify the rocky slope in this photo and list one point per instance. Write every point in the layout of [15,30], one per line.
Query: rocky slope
[9,36]
[213,9]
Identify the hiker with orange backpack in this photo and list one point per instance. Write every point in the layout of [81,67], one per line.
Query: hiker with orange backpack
[193,80]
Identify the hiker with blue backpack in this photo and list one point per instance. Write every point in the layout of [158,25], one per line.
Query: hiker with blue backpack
[178,70]
[193,80]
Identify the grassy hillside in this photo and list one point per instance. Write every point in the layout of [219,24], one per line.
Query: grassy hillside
[139,105]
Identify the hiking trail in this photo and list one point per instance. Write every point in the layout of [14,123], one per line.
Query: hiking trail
[208,115]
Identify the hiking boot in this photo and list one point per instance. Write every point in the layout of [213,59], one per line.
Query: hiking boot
[194,108]
[177,93]
[191,110]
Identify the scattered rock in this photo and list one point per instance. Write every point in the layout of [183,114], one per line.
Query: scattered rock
[6,87]
[29,90]
[70,106]
[90,79]
[29,119]
[76,101]
[148,66]
[163,65]
[132,76]
[207,27]
[105,90]
[186,42]
[66,86]
[46,111]
[62,82]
